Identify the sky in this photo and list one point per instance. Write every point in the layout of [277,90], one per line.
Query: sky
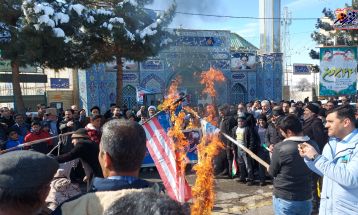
[300,30]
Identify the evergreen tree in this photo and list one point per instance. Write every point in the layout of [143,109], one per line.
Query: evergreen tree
[120,29]
[39,33]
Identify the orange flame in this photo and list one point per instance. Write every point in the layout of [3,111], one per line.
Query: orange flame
[208,78]
[211,115]
[176,133]
[172,95]
[203,189]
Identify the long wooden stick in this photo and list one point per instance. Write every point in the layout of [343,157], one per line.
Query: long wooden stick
[247,150]
[258,159]
[34,142]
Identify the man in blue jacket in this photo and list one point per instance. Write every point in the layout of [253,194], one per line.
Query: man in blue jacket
[338,163]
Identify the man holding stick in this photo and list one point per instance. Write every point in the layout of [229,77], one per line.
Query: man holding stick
[292,178]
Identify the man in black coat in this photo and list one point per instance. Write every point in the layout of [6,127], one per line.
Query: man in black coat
[227,123]
[69,124]
[84,149]
[245,134]
[313,128]
[272,135]
[292,181]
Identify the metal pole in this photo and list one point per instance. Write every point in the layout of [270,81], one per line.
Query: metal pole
[34,142]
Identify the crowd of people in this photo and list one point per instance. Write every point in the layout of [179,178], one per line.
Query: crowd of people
[301,141]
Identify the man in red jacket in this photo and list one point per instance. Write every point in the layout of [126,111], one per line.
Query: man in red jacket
[36,134]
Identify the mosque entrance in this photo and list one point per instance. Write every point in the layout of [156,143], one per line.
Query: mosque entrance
[238,94]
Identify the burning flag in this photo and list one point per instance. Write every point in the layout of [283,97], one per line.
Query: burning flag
[203,189]
[209,147]
[160,147]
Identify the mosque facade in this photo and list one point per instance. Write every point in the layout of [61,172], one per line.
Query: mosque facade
[249,74]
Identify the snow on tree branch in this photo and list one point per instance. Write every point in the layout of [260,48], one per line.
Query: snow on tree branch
[78,8]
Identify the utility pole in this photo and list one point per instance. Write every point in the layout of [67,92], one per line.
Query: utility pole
[286,21]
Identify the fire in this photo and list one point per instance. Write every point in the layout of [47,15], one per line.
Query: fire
[210,145]
[181,143]
[203,189]
[176,132]
[172,95]
[211,115]
[208,78]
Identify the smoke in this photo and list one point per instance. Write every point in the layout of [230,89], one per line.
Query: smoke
[199,6]
[193,6]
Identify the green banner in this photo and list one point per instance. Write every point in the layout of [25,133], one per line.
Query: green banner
[338,71]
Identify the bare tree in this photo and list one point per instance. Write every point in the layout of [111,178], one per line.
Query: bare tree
[303,85]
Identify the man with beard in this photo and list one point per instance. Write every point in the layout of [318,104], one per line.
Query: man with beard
[272,135]
[227,123]
[313,128]
[68,125]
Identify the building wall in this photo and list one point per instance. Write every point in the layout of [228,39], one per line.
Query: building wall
[193,52]
[64,96]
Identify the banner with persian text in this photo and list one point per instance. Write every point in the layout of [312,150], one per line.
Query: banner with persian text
[338,71]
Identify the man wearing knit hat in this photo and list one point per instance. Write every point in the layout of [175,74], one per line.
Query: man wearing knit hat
[25,178]
[314,129]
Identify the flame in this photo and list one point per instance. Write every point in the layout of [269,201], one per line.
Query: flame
[176,133]
[208,78]
[211,115]
[172,95]
[203,189]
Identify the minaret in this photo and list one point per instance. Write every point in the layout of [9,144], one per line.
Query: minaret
[270,14]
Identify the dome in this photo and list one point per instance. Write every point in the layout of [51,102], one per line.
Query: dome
[240,44]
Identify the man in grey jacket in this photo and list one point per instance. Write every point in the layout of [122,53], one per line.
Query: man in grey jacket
[338,163]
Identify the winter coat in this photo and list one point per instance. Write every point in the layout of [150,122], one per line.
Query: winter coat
[67,141]
[272,135]
[88,152]
[251,138]
[21,130]
[94,203]
[61,189]
[292,178]
[227,123]
[13,143]
[40,147]
[339,166]
[313,127]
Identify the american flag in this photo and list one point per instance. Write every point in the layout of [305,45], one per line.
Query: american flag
[160,147]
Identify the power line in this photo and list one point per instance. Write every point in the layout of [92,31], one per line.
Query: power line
[239,17]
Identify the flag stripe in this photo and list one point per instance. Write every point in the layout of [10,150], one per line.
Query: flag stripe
[166,178]
[165,140]
[162,155]
[162,145]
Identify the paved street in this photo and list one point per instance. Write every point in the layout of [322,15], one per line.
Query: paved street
[233,197]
